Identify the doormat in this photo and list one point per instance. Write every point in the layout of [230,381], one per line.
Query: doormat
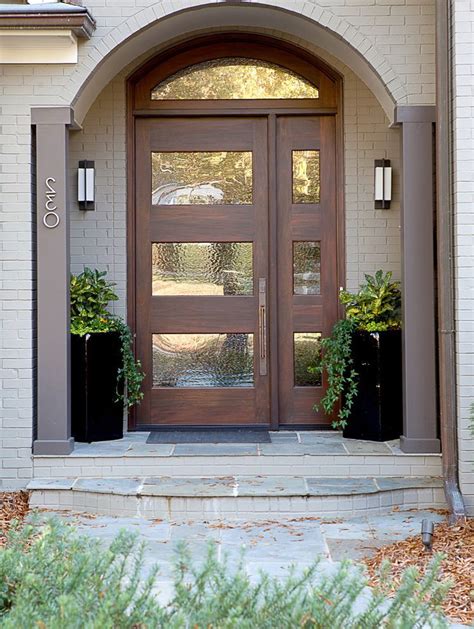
[206,435]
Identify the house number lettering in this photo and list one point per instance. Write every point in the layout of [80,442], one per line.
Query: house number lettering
[51,216]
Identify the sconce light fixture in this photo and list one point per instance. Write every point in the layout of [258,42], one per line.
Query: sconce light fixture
[86,185]
[383,184]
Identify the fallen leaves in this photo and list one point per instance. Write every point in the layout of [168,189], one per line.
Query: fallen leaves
[457,544]
[13,506]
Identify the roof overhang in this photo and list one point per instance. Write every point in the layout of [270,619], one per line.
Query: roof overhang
[43,33]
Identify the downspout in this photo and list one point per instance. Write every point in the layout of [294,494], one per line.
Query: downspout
[445,251]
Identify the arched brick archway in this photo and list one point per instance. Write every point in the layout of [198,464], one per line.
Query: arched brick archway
[311,26]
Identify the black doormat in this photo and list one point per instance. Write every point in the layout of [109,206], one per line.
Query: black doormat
[207,435]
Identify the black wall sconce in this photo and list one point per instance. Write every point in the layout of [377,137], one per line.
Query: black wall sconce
[86,185]
[383,184]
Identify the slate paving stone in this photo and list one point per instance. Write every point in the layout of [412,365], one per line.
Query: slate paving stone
[320,437]
[123,486]
[144,449]
[284,437]
[355,528]
[137,437]
[217,449]
[354,549]
[50,483]
[389,483]
[340,486]
[270,486]
[165,486]
[297,449]
[102,448]
[354,446]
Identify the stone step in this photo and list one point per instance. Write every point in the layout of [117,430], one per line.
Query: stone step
[236,497]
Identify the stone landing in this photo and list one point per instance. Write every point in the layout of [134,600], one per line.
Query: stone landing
[297,474]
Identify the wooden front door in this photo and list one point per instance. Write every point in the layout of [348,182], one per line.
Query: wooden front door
[236,266]
[202,265]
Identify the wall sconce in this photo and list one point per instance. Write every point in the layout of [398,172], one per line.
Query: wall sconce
[86,185]
[383,184]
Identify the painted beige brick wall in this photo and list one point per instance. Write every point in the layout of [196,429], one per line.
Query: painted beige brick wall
[463,149]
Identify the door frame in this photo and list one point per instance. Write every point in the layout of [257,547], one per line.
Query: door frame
[256,46]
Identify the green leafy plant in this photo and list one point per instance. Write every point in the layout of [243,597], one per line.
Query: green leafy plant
[90,295]
[376,307]
[53,577]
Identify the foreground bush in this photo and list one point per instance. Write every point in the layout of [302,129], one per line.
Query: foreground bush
[57,579]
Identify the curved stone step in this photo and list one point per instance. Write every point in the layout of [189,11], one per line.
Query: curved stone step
[236,497]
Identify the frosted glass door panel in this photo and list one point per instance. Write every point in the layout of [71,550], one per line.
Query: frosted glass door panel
[202,178]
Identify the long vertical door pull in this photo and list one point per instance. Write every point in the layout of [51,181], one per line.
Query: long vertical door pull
[262,324]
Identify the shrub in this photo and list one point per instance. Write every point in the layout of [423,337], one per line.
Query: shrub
[52,578]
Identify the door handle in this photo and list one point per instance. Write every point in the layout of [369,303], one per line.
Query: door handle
[262,324]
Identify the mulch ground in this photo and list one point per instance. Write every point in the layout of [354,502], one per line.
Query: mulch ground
[457,544]
[13,506]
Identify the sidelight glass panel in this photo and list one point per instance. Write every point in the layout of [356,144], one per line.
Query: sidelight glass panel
[202,268]
[202,178]
[234,78]
[307,350]
[306,176]
[203,360]
[306,268]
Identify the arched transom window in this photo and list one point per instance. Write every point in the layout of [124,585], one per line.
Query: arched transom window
[233,78]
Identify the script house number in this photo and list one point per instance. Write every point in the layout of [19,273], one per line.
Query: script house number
[51,216]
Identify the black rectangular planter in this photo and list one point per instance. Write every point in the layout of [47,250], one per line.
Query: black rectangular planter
[377,412]
[95,360]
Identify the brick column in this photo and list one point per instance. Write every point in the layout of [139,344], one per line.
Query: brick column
[420,432]
[53,385]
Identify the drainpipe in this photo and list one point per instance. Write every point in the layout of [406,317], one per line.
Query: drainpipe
[445,250]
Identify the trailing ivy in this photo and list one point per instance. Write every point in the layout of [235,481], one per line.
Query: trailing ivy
[336,364]
[90,295]
[130,375]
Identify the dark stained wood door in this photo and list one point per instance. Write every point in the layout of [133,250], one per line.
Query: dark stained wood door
[228,317]
[202,264]
[306,259]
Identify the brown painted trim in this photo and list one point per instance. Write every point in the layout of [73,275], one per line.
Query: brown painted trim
[222,110]
[82,24]
[418,290]
[232,37]
[445,277]
[52,115]
[341,196]
[415,113]
[273,283]
[413,445]
[131,217]
[52,280]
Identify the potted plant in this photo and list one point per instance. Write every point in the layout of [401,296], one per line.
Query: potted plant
[362,360]
[105,377]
